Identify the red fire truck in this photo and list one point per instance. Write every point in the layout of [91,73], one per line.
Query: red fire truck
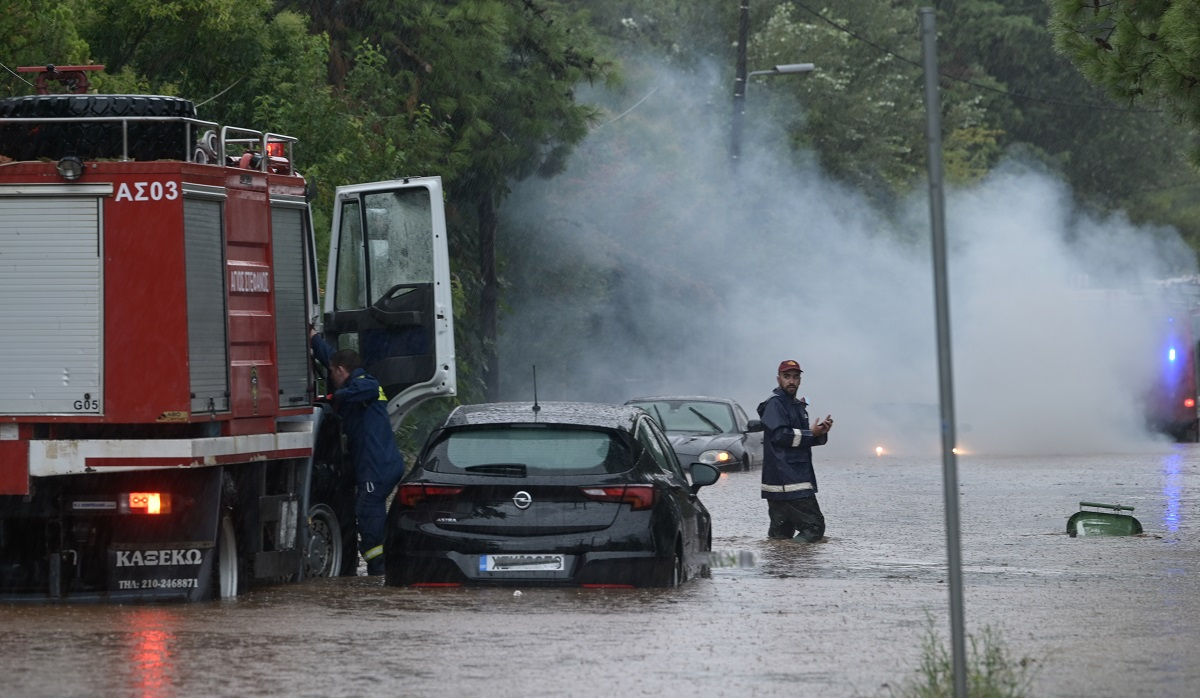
[1170,401]
[161,432]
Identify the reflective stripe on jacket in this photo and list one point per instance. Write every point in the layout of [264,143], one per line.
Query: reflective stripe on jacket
[787,448]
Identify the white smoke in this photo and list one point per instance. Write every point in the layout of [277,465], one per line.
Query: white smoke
[651,268]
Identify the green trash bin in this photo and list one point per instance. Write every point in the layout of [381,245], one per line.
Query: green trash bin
[1087,522]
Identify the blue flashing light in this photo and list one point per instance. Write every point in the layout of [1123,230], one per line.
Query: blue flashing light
[1171,355]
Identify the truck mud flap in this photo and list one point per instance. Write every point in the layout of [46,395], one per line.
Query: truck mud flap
[180,567]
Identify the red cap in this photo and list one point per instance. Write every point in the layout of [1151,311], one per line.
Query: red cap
[789,365]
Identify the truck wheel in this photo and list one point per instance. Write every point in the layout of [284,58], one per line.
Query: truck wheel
[323,556]
[227,578]
[147,140]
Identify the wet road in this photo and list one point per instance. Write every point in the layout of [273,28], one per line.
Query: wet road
[1103,616]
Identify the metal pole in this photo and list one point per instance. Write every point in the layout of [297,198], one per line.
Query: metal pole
[933,129]
[739,84]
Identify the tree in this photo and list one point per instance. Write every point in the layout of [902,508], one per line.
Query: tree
[36,34]
[500,78]
[1139,51]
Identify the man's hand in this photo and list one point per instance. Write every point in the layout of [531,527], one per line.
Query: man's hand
[822,427]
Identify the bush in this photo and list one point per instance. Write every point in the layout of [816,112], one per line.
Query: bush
[991,671]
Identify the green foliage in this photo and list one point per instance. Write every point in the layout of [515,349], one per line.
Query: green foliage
[1137,51]
[992,672]
[484,93]
[37,33]
[682,33]
[863,107]
[194,48]
[863,114]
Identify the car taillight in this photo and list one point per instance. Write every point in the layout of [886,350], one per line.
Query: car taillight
[1189,403]
[638,496]
[414,494]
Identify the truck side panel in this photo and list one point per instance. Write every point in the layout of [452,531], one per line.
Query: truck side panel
[291,321]
[254,387]
[145,337]
[50,279]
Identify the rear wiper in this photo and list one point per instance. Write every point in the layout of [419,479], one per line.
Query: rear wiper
[516,469]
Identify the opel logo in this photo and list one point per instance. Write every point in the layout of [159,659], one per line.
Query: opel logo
[522,499]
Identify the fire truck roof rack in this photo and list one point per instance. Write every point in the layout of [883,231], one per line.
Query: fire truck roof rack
[212,142]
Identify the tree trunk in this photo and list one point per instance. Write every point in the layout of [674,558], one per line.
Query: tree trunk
[489,295]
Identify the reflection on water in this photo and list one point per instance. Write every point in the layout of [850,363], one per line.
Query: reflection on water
[150,646]
[1172,484]
[1108,616]
[789,558]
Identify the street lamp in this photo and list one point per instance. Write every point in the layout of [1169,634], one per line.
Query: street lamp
[788,69]
[739,100]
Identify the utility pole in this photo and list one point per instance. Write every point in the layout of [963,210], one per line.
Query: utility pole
[739,83]
[941,287]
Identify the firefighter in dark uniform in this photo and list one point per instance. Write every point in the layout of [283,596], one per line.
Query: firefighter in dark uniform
[789,483]
[378,463]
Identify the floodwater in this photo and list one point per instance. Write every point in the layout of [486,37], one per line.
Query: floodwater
[846,617]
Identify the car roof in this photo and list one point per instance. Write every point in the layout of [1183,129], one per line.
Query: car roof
[682,398]
[593,414]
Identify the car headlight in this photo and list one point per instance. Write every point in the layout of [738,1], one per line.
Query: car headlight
[716,457]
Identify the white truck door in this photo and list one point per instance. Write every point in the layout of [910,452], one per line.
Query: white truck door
[388,289]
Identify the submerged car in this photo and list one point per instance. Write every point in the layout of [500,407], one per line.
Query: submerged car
[713,430]
[559,493]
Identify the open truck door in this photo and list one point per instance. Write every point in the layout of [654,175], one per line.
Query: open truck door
[388,290]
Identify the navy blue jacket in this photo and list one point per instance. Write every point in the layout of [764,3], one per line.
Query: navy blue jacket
[787,448]
[363,408]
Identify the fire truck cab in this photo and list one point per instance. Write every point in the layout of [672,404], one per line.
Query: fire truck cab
[162,434]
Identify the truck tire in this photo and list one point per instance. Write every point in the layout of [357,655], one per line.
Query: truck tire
[95,140]
[227,573]
[323,555]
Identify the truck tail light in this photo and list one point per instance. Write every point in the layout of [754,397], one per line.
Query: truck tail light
[1189,403]
[149,502]
[638,496]
[412,495]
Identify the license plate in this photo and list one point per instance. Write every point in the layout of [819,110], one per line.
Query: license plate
[520,563]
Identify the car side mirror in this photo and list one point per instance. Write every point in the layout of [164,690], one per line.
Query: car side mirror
[754,425]
[703,475]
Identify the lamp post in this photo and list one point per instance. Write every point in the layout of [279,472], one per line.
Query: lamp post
[739,100]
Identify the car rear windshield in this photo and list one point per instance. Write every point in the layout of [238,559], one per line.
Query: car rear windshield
[530,450]
[687,415]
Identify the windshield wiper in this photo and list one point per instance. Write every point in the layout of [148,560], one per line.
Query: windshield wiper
[661,422]
[514,469]
[709,422]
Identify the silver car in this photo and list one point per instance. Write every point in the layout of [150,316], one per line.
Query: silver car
[712,430]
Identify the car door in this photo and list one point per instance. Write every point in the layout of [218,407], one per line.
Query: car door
[387,293]
[694,521]
[753,440]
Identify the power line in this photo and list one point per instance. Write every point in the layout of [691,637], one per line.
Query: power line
[235,82]
[15,75]
[1073,105]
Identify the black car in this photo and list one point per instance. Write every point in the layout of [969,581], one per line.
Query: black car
[555,494]
[713,430]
